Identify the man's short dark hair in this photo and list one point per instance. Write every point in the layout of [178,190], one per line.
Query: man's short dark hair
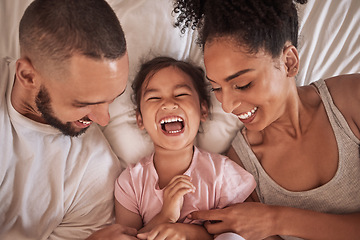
[57,29]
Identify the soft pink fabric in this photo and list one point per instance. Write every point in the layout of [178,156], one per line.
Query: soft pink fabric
[218,180]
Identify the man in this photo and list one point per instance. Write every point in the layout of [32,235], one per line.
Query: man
[57,171]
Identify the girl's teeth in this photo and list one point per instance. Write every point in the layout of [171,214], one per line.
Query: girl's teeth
[248,114]
[173,119]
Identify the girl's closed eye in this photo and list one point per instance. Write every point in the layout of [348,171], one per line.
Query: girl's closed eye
[182,95]
[152,98]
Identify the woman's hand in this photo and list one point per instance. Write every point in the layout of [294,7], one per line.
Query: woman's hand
[251,220]
[174,197]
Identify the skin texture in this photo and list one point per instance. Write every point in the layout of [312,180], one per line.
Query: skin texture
[289,133]
[81,90]
[168,93]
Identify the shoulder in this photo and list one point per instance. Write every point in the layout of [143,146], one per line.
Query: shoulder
[137,170]
[345,92]
[344,85]
[220,163]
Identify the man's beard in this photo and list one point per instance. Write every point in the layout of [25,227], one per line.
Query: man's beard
[43,103]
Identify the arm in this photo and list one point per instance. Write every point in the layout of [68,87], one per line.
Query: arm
[126,217]
[258,221]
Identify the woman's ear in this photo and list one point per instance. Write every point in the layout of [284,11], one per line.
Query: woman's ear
[139,120]
[291,60]
[204,111]
[26,74]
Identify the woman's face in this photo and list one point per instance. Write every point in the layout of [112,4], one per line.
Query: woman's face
[254,87]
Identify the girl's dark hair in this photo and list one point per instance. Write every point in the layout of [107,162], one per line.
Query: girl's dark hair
[148,69]
[253,24]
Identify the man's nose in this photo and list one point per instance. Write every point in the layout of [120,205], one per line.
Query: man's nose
[100,114]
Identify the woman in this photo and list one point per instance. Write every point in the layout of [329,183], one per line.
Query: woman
[300,143]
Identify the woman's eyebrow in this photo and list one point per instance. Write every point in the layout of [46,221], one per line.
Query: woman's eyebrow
[232,76]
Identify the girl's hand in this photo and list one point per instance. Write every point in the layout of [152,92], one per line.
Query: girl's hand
[174,197]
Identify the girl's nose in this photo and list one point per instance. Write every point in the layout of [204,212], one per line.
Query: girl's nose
[169,105]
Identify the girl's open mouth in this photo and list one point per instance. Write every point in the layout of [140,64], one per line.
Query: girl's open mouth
[172,125]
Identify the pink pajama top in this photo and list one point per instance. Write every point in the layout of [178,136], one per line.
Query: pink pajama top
[219,182]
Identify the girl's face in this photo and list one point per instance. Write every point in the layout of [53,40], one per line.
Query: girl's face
[252,87]
[170,109]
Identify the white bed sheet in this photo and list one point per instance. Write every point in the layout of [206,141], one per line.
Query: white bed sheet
[329,45]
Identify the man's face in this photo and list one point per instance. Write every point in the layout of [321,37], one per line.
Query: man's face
[72,104]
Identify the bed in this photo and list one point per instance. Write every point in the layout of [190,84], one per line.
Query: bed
[329,45]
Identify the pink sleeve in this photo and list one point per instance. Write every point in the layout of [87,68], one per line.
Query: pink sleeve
[237,184]
[125,191]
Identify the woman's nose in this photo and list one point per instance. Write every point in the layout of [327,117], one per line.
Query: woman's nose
[229,102]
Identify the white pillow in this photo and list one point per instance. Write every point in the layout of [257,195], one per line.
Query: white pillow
[329,45]
[149,31]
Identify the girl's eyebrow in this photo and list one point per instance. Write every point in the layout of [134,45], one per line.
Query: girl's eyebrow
[152,90]
[232,76]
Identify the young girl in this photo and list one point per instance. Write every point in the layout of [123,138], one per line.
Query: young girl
[156,195]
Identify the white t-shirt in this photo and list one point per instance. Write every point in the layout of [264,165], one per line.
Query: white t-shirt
[52,186]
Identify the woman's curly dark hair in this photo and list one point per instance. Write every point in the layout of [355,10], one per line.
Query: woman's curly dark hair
[253,24]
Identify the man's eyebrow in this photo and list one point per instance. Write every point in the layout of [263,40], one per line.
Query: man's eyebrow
[95,103]
[235,75]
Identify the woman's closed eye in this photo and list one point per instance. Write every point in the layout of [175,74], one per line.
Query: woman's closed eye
[243,87]
[213,89]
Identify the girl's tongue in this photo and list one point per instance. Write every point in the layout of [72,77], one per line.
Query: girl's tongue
[173,126]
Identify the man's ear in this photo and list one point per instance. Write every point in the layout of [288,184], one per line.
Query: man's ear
[291,60]
[26,73]
[204,110]
[139,120]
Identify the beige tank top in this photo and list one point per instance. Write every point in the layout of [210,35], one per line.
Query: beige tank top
[340,195]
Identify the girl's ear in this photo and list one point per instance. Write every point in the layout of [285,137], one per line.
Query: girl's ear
[26,74]
[291,60]
[204,111]
[139,120]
